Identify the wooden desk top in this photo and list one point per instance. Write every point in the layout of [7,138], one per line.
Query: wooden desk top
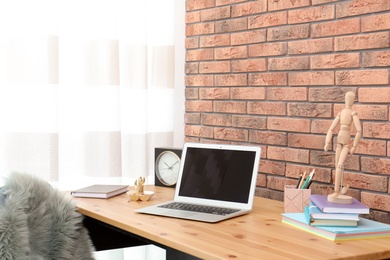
[258,235]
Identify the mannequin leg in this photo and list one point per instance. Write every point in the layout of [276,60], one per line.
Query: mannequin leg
[340,163]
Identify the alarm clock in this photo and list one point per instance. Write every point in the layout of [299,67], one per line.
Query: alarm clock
[167,166]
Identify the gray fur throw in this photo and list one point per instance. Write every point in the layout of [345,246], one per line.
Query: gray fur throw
[39,222]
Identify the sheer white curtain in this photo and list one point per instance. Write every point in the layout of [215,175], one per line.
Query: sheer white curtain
[87,88]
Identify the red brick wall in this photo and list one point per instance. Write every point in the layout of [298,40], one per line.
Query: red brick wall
[274,73]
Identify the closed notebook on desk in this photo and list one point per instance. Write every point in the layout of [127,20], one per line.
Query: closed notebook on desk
[102,191]
[216,182]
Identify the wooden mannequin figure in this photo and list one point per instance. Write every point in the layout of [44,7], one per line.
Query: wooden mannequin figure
[345,118]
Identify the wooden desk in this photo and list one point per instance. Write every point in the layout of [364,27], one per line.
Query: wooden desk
[258,235]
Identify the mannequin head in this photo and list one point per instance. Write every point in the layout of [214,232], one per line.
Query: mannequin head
[349,98]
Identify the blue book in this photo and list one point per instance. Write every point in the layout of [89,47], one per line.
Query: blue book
[321,201]
[316,217]
[365,229]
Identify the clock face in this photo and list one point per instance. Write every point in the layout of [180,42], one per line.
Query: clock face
[167,168]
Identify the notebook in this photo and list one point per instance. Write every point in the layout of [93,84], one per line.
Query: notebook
[219,179]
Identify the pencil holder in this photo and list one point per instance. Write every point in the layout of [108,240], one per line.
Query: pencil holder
[295,199]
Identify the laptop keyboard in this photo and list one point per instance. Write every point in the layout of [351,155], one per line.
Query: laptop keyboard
[199,208]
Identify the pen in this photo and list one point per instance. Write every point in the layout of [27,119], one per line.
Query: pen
[299,181]
[307,180]
[308,185]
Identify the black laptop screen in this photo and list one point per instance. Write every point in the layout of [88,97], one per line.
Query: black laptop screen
[217,174]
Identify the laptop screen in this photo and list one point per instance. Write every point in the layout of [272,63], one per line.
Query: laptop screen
[217,174]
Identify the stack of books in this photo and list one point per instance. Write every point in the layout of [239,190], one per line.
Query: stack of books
[336,222]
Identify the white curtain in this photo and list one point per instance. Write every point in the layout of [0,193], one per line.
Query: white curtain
[87,88]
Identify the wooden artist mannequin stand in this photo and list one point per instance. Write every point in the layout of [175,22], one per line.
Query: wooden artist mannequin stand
[345,119]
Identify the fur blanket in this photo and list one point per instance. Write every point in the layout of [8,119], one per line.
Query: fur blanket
[39,222]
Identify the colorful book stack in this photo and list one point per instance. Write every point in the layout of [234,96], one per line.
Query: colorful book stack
[336,222]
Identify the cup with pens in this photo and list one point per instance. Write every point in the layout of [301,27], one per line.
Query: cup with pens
[296,197]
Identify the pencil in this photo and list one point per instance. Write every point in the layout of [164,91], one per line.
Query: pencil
[309,178]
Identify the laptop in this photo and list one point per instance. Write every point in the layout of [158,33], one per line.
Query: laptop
[215,182]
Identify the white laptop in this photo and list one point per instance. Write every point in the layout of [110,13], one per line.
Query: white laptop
[216,182]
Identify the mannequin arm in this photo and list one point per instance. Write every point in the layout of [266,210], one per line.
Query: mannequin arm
[330,132]
[358,135]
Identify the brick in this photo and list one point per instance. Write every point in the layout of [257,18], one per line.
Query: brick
[192,93]
[201,54]
[267,49]
[267,79]
[358,7]
[376,201]
[319,2]
[260,181]
[362,41]
[376,59]
[273,167]
[236,107]
[192,42]
[199,131]
[289,63]
[231,134]
[376,22]
[248,93]
[192,17]
[309,110]
[214,40]
[231,80]
[277,183]
[362,77]
[310,78]
[252,122]
[238,52]
[267,20]
[266,108]
[320,126]
[269,138]
[227,2]
[289,124]
[192,118]
[199,4]
[368,112]
[245,9]
[199,106]
[200,28]
[376,130]
[279,5]
[376,165]
[335,61]
[371,147]
[374,95]
[215,13]
[365,181]
[288,154]
[328,94]
[192,67]
[288,33]
[233,25]
[310,46]
[311,14]
[333,28]
[199,80]
[214,67]
[247,37]
[388,148]
[296,93]
[214,93]
[216,120]
[251,65]
[308,141]
[321,158]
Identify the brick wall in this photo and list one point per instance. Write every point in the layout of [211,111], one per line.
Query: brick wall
[274,73]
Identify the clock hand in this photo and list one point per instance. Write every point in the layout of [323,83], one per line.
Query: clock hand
[174,163]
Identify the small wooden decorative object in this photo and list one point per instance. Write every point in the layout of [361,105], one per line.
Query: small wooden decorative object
[345,118]
[139,193]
